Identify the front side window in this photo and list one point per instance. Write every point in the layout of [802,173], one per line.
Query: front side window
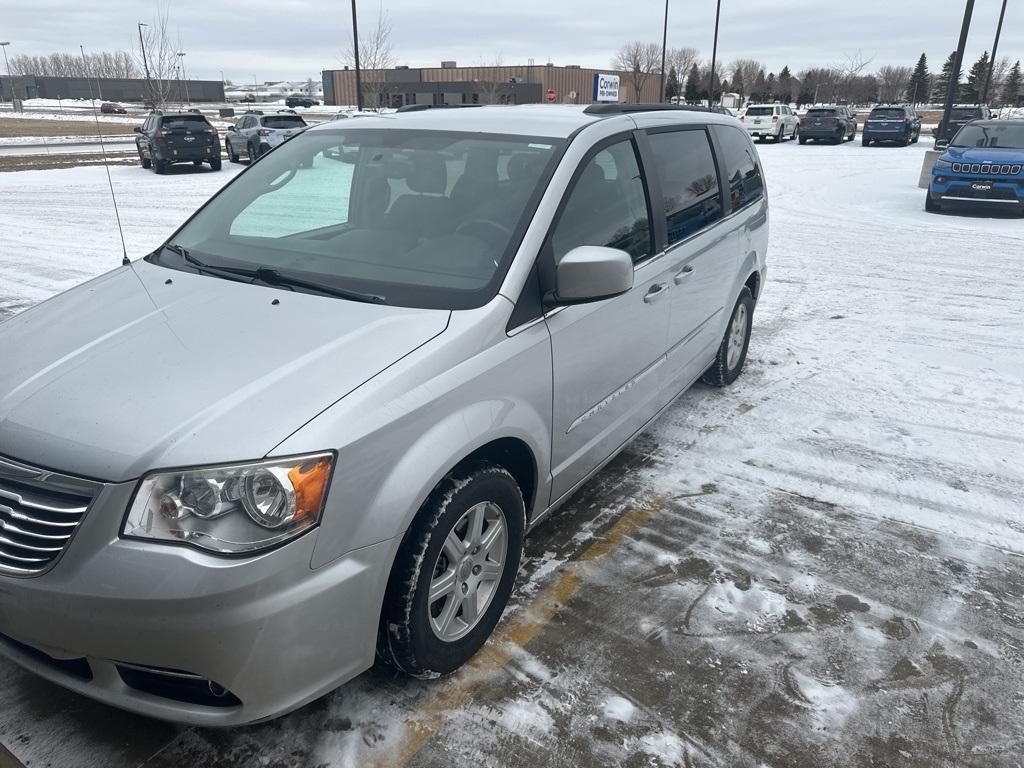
[607,206]
[421,218]
[689,182]
[741,167]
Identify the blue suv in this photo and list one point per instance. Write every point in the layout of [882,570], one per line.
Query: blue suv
[982,167]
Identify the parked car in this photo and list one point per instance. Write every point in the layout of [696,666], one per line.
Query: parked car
[834,124]
[900,124]
[299,100]
[256,133]
[719,109]
[771,121]
[166,138]
[110,108]
[983,167]
[314,426]
[960,116]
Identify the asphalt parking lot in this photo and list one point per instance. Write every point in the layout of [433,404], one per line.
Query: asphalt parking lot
[819,566]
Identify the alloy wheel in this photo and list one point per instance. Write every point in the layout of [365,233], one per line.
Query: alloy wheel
[737,336]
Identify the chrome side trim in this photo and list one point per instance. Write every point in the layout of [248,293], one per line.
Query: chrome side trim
[617,393]
[980,200]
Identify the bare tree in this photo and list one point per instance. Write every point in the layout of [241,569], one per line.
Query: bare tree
[1000,70]
[102,64]
[639,61]
[682,59]
[892,82]
[745,74]
[161,56]
[848,71]
[376,54]
[491,90]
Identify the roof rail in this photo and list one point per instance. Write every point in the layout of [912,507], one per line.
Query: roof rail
[422,107]
[625,109]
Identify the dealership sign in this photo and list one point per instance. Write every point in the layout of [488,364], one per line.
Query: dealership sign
[606,87]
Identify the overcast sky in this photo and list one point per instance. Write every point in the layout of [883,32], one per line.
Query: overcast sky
[295,39]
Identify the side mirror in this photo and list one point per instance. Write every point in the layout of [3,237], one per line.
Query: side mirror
[232,128]
[137,129]
[941,143]
[591,273]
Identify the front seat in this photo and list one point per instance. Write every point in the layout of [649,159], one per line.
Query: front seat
[426,213]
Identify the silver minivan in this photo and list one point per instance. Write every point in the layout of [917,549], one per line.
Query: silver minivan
[312,429]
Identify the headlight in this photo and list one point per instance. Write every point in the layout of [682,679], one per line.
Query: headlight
[943,165]
[235,509]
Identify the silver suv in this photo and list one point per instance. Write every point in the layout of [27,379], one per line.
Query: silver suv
[257,133]
[313,428]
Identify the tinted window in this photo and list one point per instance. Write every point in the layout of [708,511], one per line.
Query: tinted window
[759,111]
[283,121]
[191,122]
[744,174]
[689,182]
[1009,135]
[823,112]
[606,206]
[888,113]
[965,114]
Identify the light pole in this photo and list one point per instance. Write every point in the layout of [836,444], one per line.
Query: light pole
[664,41]
[181,64]
[954,76]
[714,55]
[355,54]
[992,64]
[10,82]
[145,62]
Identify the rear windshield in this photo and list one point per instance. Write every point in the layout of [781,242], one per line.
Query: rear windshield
[283,121]
[193,122]
[756,111]
[989,135]
[822,112]
[960,113]
[888,113]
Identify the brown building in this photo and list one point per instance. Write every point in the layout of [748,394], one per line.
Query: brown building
[451,84]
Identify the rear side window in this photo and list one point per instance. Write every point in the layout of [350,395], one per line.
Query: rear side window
[689,182]
[607,206]
[743,173]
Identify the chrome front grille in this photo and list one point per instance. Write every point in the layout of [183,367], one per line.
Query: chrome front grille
[988,169]
[40,511]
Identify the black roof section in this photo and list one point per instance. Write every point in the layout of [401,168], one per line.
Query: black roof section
[423,107]
[625,109]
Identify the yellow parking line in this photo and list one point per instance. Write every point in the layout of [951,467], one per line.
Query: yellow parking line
[516,634]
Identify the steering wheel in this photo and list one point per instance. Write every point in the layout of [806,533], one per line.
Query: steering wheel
[466,226]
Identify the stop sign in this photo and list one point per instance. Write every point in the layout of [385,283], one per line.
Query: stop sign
[550,95]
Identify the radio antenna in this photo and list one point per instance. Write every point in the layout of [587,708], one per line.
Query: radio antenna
[106,166]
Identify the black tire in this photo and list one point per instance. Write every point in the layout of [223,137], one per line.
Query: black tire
[215,164]
[406,639]
[232,155]
[837,140]
[803,140]
[865,141]
[143,161]
[197,163]
[160,166]
[253,152]
[930,204]
[721,374]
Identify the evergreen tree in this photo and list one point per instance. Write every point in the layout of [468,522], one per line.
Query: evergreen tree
[941,85]
[785,87]
[672,84]
[971,93]
[693,89]
[1012,86]
[917,88]
[770,87]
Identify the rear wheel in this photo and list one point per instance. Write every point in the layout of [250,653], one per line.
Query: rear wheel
[803,140]
[160,166]
[453,573]
[254,153]
[732,352]
[232,155]
[215,164]
[197,163]
[865,141]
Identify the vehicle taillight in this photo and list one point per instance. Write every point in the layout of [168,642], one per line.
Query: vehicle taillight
[804,120]
[743,118]
[830,120]
[159,136]
[214,132]
[264,132]
[775,118]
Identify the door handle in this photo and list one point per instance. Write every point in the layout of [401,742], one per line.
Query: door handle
[654,292]
[682,274]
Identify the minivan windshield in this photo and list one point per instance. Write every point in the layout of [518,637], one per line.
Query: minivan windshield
[989,135]
[422,218]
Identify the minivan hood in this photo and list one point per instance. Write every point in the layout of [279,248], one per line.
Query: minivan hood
[148,367]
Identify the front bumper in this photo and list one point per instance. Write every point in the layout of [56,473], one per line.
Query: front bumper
[956,190]
[268,630]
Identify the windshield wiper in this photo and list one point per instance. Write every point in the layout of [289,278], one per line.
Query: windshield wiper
[271,276]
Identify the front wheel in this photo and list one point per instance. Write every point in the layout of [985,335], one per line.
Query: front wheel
[453,573]
[930,204]
[143,160]
[732,352]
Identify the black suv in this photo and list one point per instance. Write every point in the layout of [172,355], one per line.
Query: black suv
[961,116]
[892,123]
[298,100]
[177,137]
[834,124]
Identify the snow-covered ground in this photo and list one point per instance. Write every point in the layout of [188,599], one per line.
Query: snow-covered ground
[818,566]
